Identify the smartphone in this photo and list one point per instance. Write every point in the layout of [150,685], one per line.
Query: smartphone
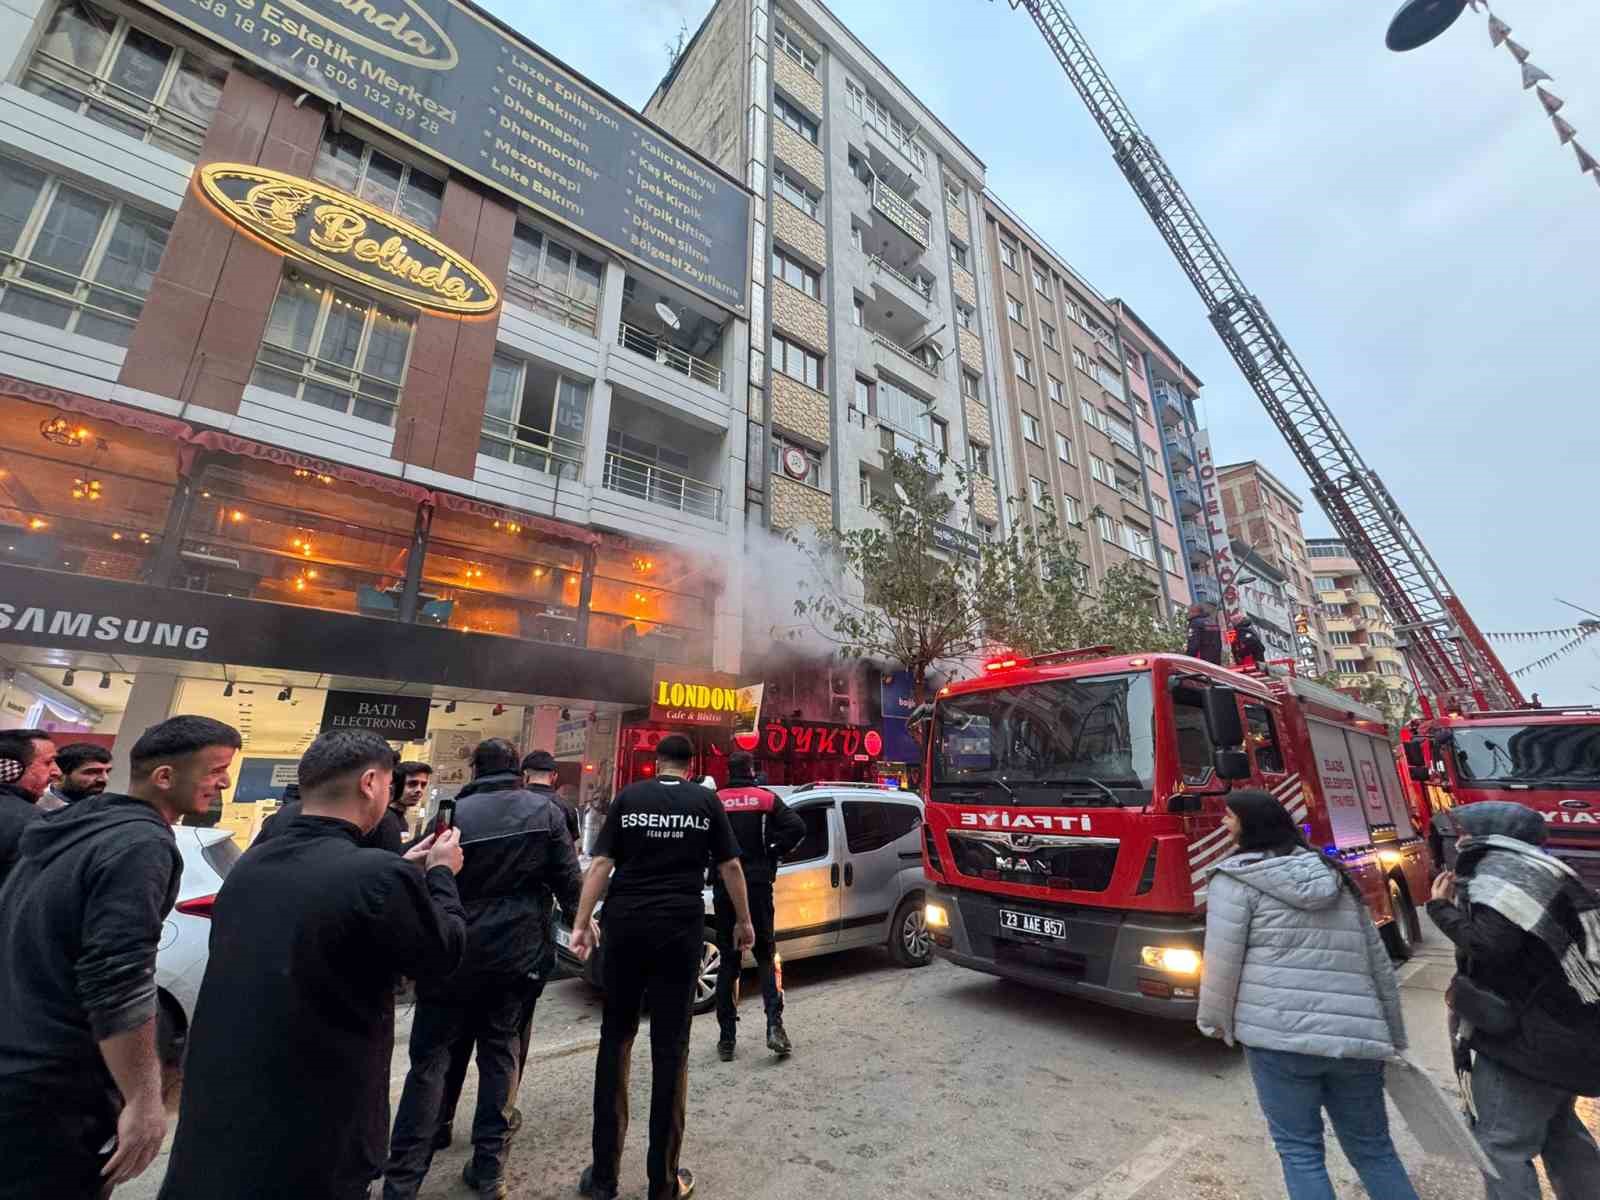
[446,816]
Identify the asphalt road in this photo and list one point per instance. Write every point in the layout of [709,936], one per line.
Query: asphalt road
[933,1083]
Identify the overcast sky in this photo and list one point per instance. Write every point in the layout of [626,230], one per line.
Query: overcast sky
[1410,221]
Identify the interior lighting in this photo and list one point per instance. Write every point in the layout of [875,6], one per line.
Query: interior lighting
[236,516]
[63,433]
[38,523]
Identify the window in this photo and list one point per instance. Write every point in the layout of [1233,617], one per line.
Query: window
[978,459]
[1008,252]
[1091,415]
[987,530]
[1036,488]
[72,260]
[790,45]
[1346,667]
[953,192]
[958,254]
[1030,429]
[1074,309]
[1064,448]
[1110,530]
[778,453]
[940,429]
[1195,751]
[1142,408]
[794,119]
[796,274]
[1071,510]
[1023,365]
[1160,507]
[349,163]
[1047,333]
[1338,638]
[871,825]
[855,235]
[796,193]
[1041,283]
[796,362]
[1080,360]
[1152,456]
[93,62]
[535,417]
[1140,543]
[335,349]
[875,113]
[1101,472]
[1262,734]
[858,313]
[1332,610]
[1119,431]
[866,396]
[1014,310]
[554,278]
[866,488]
[969,386]
[814,844]
[1388,668]
[1169,559]
[964,316]
[1053,386]
[1324,584]
[1371,612]
[1326,549]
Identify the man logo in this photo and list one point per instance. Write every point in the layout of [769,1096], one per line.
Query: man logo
[397,29]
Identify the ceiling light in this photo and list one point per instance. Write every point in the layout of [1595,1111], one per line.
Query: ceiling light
[451,707]
[66,680]
[105,679]
[285,693]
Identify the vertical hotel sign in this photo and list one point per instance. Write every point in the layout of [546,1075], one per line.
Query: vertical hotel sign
[1217,532]
[462,88]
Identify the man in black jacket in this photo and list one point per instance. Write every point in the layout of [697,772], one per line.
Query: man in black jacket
[286,1086]
[518,855]
[1205,636]
[27,768]
[1526,932]
[767,829]
[411,780]
[80,920]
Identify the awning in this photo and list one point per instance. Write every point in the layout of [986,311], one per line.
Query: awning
[511,516]
[227,443]
[101,410]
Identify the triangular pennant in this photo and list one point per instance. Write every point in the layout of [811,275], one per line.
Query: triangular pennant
[1564,131]
[1532,75]
[1498,30]
[1517,51]
[1552,104]
[1586,161]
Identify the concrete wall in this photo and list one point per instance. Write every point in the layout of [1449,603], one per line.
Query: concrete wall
[702,102]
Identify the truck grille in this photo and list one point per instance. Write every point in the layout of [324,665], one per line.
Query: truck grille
[1083,865]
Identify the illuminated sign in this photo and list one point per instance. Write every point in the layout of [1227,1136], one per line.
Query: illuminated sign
[813,739]
[685,696]
[467,90]
[360,241]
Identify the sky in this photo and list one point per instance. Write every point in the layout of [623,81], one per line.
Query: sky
[1410,221]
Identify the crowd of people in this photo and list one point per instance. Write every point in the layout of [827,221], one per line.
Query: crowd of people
[312,932]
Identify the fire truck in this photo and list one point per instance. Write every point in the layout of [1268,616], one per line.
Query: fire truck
[1073,814]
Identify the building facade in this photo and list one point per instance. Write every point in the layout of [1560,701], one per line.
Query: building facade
[296,403]
[1359,630]
[1264,598]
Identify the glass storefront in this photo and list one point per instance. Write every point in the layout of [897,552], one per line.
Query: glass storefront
[494,576]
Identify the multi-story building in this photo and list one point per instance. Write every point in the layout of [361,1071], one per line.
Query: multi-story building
[302,398]
[1266,601]
[1359,629]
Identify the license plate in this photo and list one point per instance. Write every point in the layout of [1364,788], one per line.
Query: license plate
[563,937]
[1032,924]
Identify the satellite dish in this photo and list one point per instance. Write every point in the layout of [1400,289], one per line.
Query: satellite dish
[668,317]
[901,492]
[1420,21]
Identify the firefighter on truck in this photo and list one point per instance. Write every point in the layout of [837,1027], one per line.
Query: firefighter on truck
[1074,810]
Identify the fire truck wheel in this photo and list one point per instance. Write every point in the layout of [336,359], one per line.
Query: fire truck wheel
[1397,934]
[909,942]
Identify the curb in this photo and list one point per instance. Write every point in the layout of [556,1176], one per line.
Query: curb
[563,1049]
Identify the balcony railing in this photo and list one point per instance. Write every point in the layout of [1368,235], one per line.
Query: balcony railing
[1122,437]
[659,485]
[569,310]
[1111,381]
[667,355]
[165,124]
[901,211]
[529,447]
[890,344]
[1187,496]
[921,286]
[1178,449]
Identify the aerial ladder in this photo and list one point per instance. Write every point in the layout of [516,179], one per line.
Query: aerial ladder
[1450,659]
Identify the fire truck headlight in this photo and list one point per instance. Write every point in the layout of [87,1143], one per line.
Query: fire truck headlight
[936,916]
[1174,960]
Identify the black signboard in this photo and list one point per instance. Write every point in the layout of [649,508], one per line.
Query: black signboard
[448,79]
[956,541]
[393,718]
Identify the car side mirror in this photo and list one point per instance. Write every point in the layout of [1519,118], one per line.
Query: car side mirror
[1222,718]
[1231,764]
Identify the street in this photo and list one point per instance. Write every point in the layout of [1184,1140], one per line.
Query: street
[934,1082]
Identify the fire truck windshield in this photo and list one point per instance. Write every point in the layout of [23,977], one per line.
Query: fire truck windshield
[1535,755]
[1070,742]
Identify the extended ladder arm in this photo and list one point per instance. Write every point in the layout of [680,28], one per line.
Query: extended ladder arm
[1460,670]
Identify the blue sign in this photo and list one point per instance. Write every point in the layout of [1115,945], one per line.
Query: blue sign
[896,696]
[264,779]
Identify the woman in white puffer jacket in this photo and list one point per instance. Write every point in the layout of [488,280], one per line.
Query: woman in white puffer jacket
[1296,972]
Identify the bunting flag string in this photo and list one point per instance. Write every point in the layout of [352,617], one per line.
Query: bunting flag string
[1538,635]
[1564,131]
[1532,76]
[1552,104]
[1498,30]
[1560,652]
[1586,161]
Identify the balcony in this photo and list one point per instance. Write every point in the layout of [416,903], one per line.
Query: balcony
[662,486]
[1336,596]
[657,347]
[1111,380]
[552,302]
[1187,497]
[1206,589]
[923,358]
[654,457]
[1196,545]
[670,328]
[1178,452]
[918,289]
[902,212]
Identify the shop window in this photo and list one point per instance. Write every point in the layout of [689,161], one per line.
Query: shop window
[552,277]
[814,844]
[81,495]
[484,574]
[73,260]
[96,63]
[335,349]
[651,602]
[265,531]
[535,416]
[872,825]
[347,162]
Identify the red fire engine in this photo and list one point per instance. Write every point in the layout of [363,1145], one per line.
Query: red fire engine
[1074,810]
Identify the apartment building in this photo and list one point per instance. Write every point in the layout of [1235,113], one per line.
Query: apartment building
[1264,514]
[1264,598]
[1359,630]
[302,399]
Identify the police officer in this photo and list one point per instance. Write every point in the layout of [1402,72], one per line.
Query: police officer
[517,854]
[659,837]
[767,829]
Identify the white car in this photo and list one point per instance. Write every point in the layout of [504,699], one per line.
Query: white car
[208,856]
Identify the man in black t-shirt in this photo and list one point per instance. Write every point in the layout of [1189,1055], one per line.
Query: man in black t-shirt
[659,837]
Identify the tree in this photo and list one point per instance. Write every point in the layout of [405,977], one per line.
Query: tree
[1397,704]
